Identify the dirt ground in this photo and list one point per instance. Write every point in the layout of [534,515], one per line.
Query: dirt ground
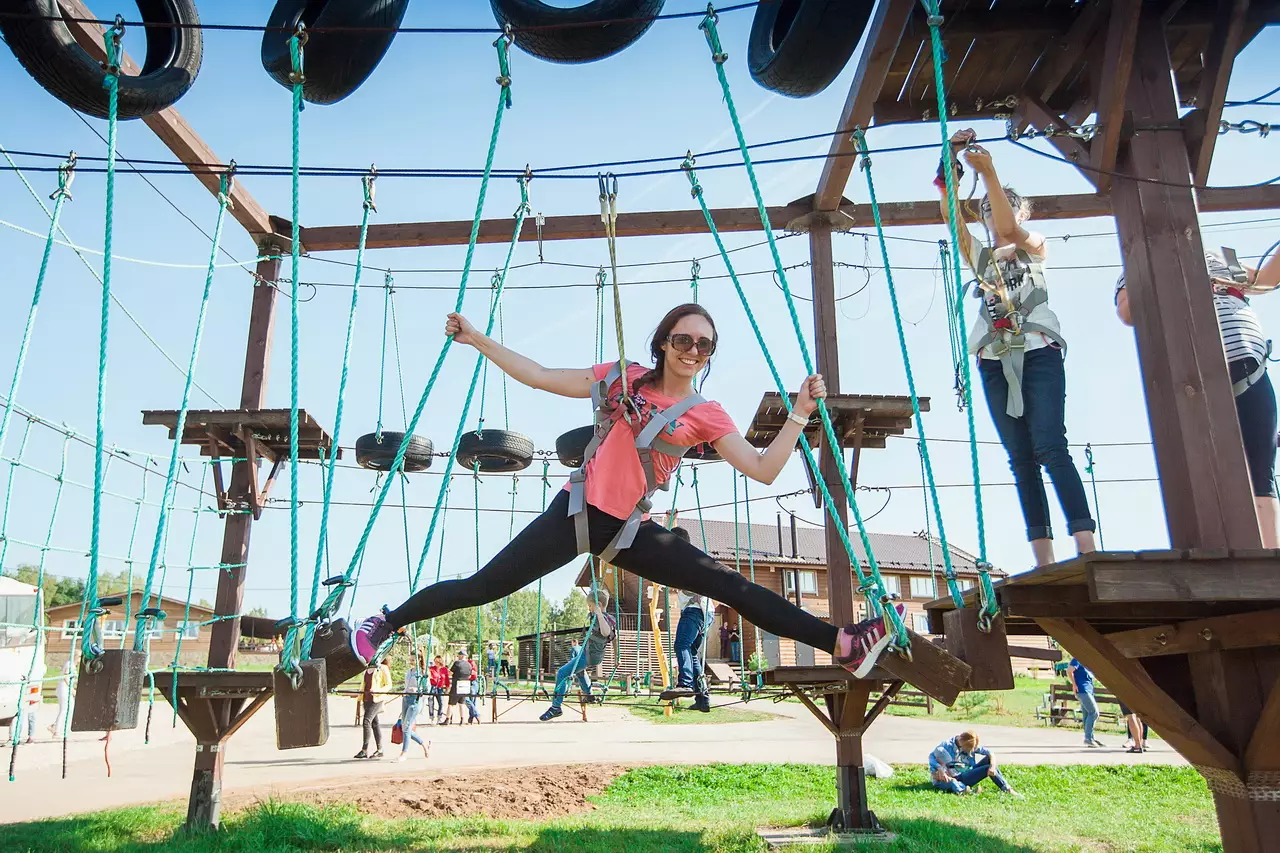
[518,793]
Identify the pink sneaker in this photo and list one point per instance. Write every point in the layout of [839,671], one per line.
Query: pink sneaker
[371,634]
[858,647]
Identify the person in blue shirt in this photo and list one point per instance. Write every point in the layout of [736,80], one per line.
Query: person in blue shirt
[959,764]
[1082,686]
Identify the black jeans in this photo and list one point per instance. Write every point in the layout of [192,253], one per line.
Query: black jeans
[549,543]
[1038,440]
[372,725]
[1256,409]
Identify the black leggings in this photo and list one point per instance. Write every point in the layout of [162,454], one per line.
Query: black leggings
[549,542]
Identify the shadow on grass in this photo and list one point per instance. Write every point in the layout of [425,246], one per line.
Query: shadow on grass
[587,839]
[920,835]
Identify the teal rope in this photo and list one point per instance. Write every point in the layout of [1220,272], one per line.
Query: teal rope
[521,212]
[751,561]
[1093,481]
[860,140]
[60,197]
[8,492]
[431,627]
[16,726]
[989,608]
[386,311]
[871,587]
[186,608]
[475,480]
[112,83]
[133,537]
[368,207]
[737,565]
[537,651]
[504,102]
[953,293]
[902,638]
[171,479]
[291,653]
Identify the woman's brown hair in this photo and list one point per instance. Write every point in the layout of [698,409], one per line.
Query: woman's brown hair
[660,335]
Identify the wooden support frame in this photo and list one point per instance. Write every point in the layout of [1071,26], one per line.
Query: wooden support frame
[1201,124]
[883,34]
[1237,631]
[178,136]
[1031,111]
[1117,63]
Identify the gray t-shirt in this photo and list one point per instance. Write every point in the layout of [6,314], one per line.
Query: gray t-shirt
[597,642]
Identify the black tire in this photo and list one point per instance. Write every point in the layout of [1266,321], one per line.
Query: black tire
[797,47]
[581,34]
[495,451]
[379,456]
[572,446]
[335,64]
[51,55]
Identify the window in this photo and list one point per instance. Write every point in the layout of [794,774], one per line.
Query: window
[920,622]
[892,586]
[808,582]
[17,618]
[70,628]
[966,584]
[923,588]
[190,630]
[113,628]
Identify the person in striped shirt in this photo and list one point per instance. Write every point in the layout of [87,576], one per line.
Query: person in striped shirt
[1246,348]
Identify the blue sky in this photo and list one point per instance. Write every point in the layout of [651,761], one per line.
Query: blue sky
[430,104]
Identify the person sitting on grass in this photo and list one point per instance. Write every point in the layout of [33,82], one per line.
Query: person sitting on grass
[585,657]
[958,765]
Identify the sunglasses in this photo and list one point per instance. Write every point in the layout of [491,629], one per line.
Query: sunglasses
[684,343]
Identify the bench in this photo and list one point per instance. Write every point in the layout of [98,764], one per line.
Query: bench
[908,698]
[1060,704]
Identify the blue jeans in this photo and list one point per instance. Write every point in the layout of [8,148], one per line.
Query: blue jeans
[690,630]
[470,702]
[435,703]
[735,651]
[970,779]
[574,669]
[1089,708]
[1256,408]
[408,713]
[1038,440]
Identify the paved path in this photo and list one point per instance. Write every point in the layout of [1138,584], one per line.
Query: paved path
[162,770]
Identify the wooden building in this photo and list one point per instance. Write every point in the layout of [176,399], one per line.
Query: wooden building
[117,627]
[792,563]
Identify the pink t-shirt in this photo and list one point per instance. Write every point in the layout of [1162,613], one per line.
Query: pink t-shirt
[615,478]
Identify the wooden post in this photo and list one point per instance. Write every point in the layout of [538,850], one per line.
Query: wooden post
[851,782]
[1199,454]
[205,805]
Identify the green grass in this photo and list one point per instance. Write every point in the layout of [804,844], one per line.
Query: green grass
[1014,707]
[1128,809]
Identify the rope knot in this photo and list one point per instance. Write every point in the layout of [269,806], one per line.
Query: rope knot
[369,189]
[934,20]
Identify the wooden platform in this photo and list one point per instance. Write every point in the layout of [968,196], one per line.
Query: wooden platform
[1047,48]
[213,705]
[870,418]
[1136,590]
[813,676]
[225,432]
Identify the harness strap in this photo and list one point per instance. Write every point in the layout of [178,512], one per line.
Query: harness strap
[1252,379]
[1011,351]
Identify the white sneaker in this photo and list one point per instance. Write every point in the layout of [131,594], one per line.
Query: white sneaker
[404,756]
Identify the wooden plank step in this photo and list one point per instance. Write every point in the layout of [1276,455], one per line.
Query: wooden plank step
[931,670]
[1185,579]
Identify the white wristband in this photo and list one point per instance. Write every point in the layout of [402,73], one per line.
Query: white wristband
[797,419]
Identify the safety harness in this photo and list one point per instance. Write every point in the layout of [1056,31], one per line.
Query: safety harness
[647,441]
[1241,276]
[1023,291]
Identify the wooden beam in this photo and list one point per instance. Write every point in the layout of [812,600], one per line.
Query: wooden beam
[1186,580]
[1263,752]
[178,136]
[1219,58]
[1034,112]
[1069,51]
[332,238]
[1199,454]
[1133,686]
[1063,601]
[1117,63]
[884,32]
[814,709]
[1238,631]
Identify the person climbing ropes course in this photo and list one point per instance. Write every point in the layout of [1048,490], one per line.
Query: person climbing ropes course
[1020,350]
[646,418]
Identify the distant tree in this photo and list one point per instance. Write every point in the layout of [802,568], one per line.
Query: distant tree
[257,611]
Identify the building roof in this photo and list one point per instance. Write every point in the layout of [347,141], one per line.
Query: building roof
[895,552]
[171,606]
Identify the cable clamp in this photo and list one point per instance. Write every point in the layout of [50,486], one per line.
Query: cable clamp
[934,20]
[66,174]
[368,182]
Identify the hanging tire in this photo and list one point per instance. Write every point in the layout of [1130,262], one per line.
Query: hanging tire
[52,56]
[336,63]
[584,33]
[380,455]
[495,451]
[797,47]
[572,446]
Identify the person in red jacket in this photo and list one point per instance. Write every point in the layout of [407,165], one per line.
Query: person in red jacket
[438,676]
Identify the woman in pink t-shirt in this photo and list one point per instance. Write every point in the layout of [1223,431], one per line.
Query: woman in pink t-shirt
[681,347]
